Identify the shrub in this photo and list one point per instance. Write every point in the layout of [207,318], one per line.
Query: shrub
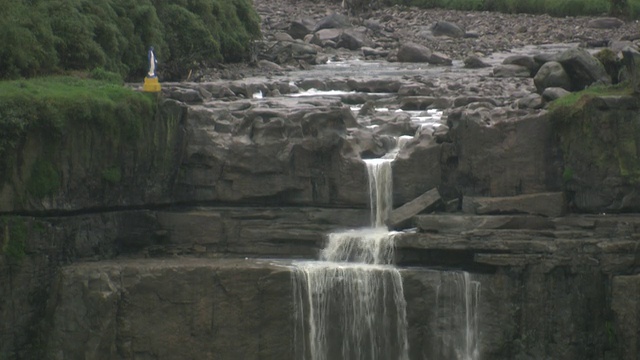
[43,37]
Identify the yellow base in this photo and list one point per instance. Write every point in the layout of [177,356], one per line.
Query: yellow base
[151,85]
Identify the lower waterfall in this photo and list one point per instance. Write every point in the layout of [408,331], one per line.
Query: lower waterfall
[350,304]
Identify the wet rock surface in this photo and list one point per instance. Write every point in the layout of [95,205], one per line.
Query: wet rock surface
[268,159]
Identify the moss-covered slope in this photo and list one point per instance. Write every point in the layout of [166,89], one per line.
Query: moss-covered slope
[71,143]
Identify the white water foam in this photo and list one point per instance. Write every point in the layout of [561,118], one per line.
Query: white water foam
[457,316]
[380,190]
[351,306]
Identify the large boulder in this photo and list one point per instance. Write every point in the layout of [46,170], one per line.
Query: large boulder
[583,68]
[412,52]
[631,59]
[605,23]
[333,20]
[552,74]
[511,70]
[446,28]
[523,60]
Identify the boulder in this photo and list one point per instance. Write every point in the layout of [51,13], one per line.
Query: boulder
[437,58]
[552,74]
[523,60]
[446,28]
[631,59]
[531,101]
[583,68]
[333,21]
[412,52]
[322,36]
[371,52]
[605,23]
[507,71]
[300,28]
[474,62]
[554,93]
[353,39]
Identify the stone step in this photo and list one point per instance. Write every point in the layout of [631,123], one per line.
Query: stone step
[551,204]
[453,223]
[614,226]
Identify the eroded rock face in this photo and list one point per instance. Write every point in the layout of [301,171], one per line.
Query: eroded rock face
[503,153]
[170,309]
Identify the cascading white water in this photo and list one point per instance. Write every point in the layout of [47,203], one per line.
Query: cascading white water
[350,305]
[380,190]
[456,317]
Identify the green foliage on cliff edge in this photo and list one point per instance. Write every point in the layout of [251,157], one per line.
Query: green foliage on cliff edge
[52,106]
[607,140]
[41,37]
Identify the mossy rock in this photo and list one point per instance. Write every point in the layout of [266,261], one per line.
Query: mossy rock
[601,148]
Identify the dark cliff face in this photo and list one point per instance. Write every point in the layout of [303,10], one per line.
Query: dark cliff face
[548,287]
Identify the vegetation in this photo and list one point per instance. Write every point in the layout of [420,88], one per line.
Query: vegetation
[624,8]
[46,37]
[50,107]
[606,140]
[576,101]
[112,175]
[14,236]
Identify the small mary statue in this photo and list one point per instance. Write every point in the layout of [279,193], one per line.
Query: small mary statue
[152,63]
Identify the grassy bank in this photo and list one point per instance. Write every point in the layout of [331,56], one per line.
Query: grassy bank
[52,106]
[624,8]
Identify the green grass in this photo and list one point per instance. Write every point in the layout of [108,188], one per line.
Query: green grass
[577,99]
[54,106]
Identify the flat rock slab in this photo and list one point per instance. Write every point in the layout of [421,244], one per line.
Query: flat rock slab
[461,223]
[401,215]
[546,204]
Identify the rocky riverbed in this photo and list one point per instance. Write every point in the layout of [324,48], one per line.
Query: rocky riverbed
[475,33]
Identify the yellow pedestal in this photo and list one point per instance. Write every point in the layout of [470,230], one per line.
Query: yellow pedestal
[151,85]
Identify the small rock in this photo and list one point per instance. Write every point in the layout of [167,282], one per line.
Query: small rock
[474,62]
[445,28]
[605,23]
[506,71]
[554,93]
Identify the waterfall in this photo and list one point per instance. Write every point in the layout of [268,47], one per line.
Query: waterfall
[456,318]
[350,304]
[380,190]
